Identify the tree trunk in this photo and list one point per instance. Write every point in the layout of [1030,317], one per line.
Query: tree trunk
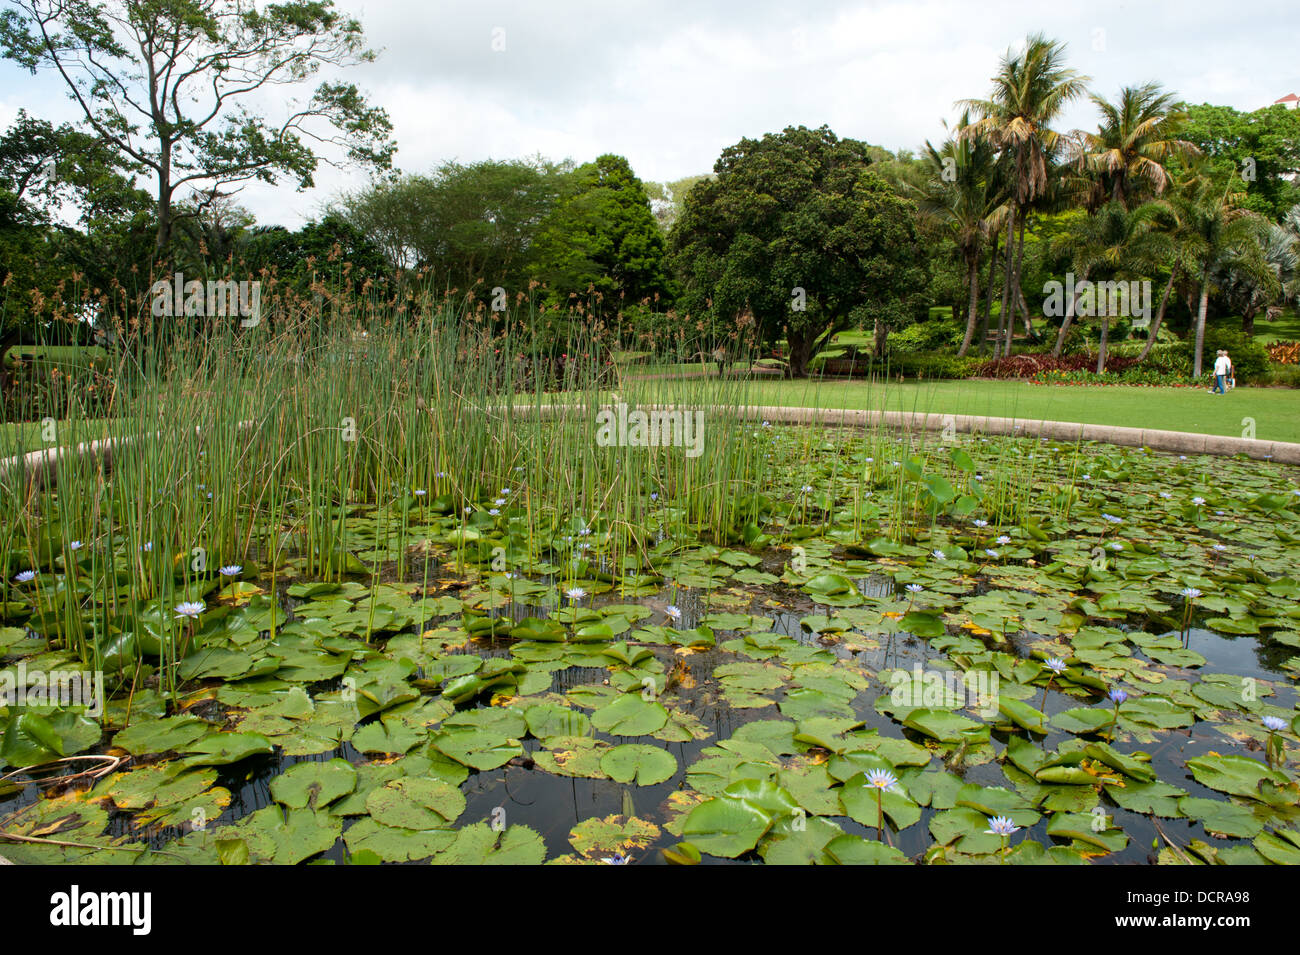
[1029,322]
[1160,315]
[973,305]
[1006,283]
[988,302]
[1105,337]
[1015,281]
[1070,308]
[1248,320]
[1200,322]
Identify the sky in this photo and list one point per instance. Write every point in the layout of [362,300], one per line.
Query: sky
[670,83]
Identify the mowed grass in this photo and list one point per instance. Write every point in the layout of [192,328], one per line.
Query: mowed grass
[1276,411]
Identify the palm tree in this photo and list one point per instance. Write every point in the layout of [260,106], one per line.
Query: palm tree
[1126,159]
[1216,231]
[962,196]
[1112,244]
[1029,93]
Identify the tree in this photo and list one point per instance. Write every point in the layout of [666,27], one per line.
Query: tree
[667,198]
[50,176]
[1029,92]
[1114,244]
[167,82]
[467,223]
[1261,148]
[799,235]
[1216,230]
[1126,159]
[962,195]
[601,237]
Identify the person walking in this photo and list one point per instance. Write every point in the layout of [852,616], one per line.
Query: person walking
[1232,372]
[1221,368]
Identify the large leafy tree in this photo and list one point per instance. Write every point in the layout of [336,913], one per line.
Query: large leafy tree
[798,234]
[50,177]
[1126,160]
[1261,148]
[171,85]
[601,238]
[467,223]
[1030,90]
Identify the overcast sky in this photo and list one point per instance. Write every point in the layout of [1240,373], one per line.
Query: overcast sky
[670,83]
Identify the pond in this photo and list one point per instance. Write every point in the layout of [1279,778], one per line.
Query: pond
[984,651]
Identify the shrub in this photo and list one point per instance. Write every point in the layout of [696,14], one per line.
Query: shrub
[924,337]
[1285,376]
[1249,358]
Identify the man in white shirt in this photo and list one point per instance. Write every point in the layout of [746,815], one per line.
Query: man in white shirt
[1221,366]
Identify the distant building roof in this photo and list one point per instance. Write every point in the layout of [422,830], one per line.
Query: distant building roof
[1288,98]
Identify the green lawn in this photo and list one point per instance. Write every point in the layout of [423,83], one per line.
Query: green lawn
[1285,329]
[1276,411]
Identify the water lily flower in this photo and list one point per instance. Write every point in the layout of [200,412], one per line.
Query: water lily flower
[23,576]
[505,491]
[1055,664]
[190,608]
[75,545]
[654,495]
[617,859]
[1274,723]
[673,611]
[1117,696]
[807,489]
[980,523]
[1191,593]
[990,552]
[420,492]
[576,593]
[1115,545]
[1003,539]
[499,501]
[230,570]
[913,588]
[1198,501]
[493,511]
[881,779]
[1001,826]
[938,555]
[1166,495]
[1220,548]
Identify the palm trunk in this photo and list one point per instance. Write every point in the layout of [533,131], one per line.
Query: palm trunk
[1017,294]
[1200,322]
[972,306]
[1006,284]
[1105,336]
[1160,315]
[1029,321]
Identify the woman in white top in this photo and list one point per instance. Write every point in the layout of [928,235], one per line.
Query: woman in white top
[1221,368]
